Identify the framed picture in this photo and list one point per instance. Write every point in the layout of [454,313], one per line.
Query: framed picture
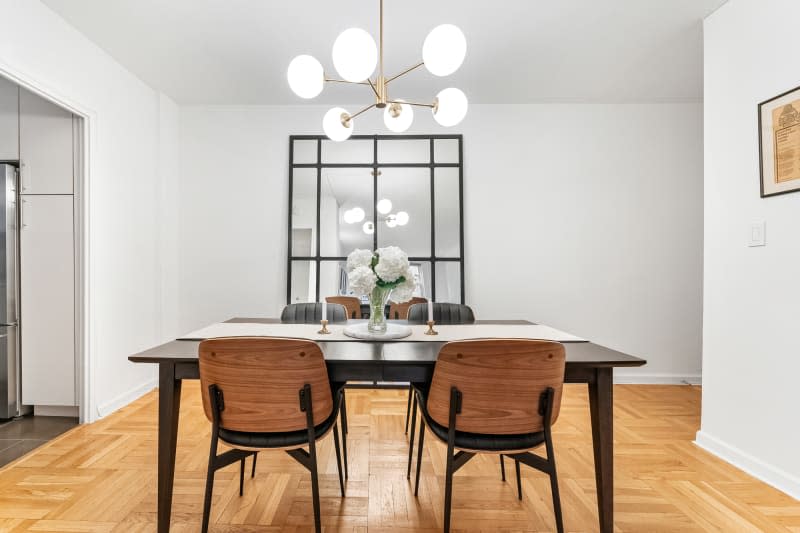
[779,143]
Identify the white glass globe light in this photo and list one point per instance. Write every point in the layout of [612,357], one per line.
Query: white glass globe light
[333,125]
[369,227]
[357,214]
[391,221]
[402,218]
[398,117]
[444,49]
[451,107]
[355,54]
[384,206]
[348,216]
[306,77]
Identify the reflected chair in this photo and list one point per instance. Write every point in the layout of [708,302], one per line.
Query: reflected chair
[311,313]
[400,311]
[498,396]
[351,303]
[263,393]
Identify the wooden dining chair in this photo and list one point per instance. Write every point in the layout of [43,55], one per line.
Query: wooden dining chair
[400,311]
[351,303]
[498,396]
[262,393]
[311,313]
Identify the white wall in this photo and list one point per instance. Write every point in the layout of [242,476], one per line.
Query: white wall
[128,164]
[751,347]
[584,217]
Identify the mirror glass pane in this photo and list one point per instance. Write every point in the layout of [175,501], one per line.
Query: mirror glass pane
[345,207]
[352,151]
[445,150]
[404,151]
[305,152]
[447,220]
[407,223]
[448,281]
[304,282]
[333,279]
[422,275]
[304,212]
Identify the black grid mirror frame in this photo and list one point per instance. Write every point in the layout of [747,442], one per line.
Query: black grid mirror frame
[318,165]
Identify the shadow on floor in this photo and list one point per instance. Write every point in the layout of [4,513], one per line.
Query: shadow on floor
[21,435]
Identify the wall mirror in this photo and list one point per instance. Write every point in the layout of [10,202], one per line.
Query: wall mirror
[373,191]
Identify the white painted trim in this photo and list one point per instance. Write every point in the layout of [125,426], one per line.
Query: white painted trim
[125,398]
[70,411]
[757,468]
[657,379]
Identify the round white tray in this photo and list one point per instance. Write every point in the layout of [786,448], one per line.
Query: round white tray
[393,331]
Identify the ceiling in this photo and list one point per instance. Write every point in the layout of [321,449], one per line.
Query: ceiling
[518,51]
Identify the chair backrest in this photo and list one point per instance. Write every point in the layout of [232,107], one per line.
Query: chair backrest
[260,379]
[351,303]
[311,313]
[443,314]
[400,311]
[501,382]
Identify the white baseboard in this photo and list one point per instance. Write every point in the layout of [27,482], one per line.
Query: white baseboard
[757,468]
[657,379]
[125,398]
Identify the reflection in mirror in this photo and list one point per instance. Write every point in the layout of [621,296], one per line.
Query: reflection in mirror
[404,151]
[352,151]
[305,152]
[406,221]
[445,150]
[345,209]
[304,282]
[448,281]
[304,212]
[448,221]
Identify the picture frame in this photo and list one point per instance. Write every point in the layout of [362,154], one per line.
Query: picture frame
[779,144]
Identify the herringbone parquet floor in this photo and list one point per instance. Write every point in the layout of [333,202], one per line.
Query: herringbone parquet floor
[102,477]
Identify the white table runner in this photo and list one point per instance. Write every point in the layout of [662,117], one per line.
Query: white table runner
[446,333]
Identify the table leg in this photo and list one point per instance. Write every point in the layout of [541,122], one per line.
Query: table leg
[601,406]
[169,402]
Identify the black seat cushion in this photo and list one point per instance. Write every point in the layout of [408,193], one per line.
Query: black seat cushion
[476,441]
[443,314]
[283,439]
[311,313]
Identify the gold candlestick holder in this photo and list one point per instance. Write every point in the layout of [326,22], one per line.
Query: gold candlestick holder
[324,330]
[431,331]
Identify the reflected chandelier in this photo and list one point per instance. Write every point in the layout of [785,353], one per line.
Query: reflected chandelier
[355,57]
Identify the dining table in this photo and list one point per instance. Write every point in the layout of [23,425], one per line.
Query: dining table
[396,361]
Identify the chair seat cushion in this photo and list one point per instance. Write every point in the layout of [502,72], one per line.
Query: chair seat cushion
[477,441]
[282,439]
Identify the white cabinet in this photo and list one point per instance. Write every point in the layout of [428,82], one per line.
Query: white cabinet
[45,146]
[47,281]
[9,120]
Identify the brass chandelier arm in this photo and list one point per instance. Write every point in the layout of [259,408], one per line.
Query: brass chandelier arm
[354,115]
[334,80]
[406,71]
[374,89]
[418,104]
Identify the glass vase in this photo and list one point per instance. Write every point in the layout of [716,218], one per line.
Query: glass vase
[377,310]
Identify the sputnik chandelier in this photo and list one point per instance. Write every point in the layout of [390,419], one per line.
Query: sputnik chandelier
[355,57]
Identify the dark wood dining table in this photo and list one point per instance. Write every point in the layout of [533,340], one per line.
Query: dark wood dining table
[392,361]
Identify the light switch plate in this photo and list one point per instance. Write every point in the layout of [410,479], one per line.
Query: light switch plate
[758,233]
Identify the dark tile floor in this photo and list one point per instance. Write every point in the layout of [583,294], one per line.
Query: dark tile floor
[18,437]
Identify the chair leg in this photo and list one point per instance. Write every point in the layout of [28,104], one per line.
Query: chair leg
[448,488]
[519,479]
[345,430]
[241,477]
[408,407]
[344,437]
[502,468]
[338,458]
[253,472]
[419,456]
[209,491]
[556,502]
[411,440]
[315,486]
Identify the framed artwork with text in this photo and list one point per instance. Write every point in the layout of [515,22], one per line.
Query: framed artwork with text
[779,143]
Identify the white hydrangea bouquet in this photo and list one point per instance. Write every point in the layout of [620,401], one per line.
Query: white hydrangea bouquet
[379,274]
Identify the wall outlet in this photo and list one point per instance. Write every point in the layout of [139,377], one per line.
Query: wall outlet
[758,234]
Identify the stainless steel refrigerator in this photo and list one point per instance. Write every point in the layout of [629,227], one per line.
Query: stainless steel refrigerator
[10,389]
